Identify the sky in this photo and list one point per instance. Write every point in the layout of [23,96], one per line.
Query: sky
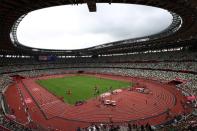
[71,27]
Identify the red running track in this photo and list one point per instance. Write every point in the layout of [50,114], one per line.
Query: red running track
[47,110]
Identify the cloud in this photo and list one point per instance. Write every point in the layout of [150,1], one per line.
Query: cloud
[73,27]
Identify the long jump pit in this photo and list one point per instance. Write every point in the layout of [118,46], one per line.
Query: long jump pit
[148,101]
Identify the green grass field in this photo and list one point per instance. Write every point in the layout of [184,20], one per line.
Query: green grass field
[81,87]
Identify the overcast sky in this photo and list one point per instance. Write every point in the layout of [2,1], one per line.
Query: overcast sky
[74,27]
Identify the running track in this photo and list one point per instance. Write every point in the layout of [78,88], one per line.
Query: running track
[47,110]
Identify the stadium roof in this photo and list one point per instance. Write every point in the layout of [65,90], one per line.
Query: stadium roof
[73,27]
[12,10]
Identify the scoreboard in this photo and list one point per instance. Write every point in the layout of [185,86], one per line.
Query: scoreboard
[47,58]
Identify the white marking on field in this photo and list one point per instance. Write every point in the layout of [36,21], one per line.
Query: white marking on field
[28,100]
[35,89]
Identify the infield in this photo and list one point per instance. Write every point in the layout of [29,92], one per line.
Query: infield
[81,87]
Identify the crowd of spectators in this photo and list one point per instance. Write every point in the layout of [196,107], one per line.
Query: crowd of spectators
[177,61]
[188,123]
[171,66]
[12,125]
[36,73]
[116,127]
[5,80]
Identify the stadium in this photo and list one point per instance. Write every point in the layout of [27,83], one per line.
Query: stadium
[141,84]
